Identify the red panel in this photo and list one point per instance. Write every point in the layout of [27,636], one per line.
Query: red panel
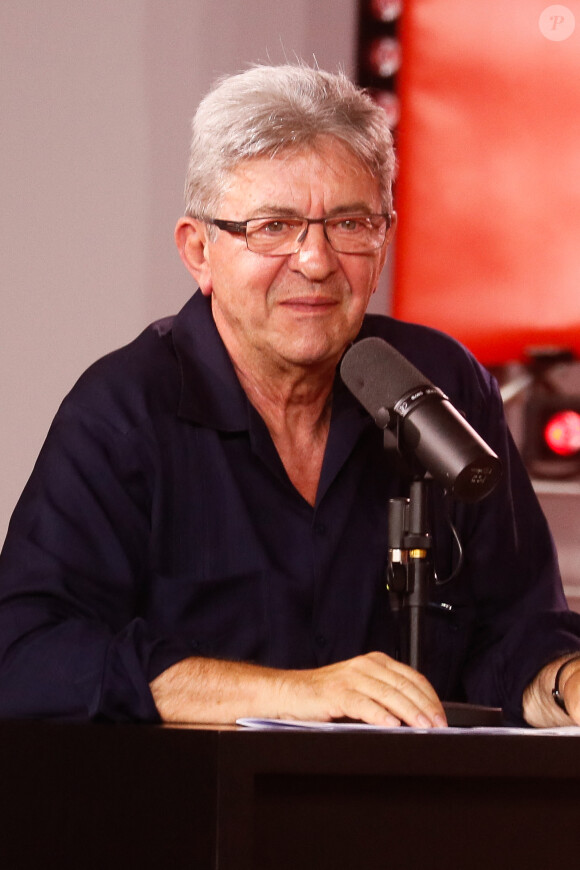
[488,244]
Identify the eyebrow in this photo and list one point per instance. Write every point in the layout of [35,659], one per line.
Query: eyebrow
[270,210]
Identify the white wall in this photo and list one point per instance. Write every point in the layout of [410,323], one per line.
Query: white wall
[95,101]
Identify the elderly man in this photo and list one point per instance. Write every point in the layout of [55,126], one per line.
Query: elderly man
[204,535]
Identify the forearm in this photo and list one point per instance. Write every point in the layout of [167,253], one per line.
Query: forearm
[217,692]
[372,688]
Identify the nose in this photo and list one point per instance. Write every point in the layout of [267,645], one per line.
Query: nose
[315,258]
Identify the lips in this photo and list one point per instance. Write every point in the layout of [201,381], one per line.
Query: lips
[309,301]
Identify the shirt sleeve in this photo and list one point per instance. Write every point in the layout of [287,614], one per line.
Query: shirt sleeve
[72,573]
[523,621]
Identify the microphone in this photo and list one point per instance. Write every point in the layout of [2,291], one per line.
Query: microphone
[430,431]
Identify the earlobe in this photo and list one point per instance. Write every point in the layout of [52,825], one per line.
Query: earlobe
[191,241]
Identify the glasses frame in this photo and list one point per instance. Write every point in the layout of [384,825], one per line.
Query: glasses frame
[240,228]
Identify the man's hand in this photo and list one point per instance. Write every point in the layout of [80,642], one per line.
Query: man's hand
[540,708]
[371,688]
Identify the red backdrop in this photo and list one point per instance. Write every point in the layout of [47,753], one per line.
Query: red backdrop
[488,194]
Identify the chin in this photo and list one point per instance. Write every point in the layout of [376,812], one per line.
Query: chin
[309,356]
[311,347]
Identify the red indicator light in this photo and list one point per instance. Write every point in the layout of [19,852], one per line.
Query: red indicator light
[562,433]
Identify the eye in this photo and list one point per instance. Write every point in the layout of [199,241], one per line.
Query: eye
[351,224]
[274,227]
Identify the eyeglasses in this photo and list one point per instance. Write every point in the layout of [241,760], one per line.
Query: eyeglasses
[281,236]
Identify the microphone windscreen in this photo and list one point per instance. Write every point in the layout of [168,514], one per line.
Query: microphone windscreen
[430,431]
[378,375]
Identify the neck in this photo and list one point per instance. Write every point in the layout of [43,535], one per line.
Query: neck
[297,414]
[295,404]
[289,399]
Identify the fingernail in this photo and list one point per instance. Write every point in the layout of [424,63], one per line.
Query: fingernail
[423,722]
[439,721]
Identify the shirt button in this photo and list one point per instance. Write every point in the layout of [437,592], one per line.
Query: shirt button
[320,528]
[320,640]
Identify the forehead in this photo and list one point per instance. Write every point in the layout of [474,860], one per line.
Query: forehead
[328,175]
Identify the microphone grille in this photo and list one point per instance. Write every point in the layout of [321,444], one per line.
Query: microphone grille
[377,374]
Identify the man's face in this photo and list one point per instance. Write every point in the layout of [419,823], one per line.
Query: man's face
[301,309]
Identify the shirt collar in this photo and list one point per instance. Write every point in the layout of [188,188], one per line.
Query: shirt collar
[211,393]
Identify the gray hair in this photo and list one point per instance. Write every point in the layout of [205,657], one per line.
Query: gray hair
[270,109]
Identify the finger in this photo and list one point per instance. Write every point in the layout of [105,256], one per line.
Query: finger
[401,691]
[402,699]
[372,688]
[361,708]
[407,672]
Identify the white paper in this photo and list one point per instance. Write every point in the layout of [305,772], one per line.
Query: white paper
[308,725]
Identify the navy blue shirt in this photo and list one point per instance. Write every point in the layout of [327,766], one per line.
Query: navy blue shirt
[159,523]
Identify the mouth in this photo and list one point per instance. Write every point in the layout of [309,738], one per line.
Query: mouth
[310,304]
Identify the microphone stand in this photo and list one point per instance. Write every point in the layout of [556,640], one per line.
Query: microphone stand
[409,577]
[409,571]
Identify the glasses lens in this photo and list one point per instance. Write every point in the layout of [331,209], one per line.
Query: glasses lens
[356,234]
[274,235]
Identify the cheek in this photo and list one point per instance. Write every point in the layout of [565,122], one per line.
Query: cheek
[243,286]
[267,276]
[363,278]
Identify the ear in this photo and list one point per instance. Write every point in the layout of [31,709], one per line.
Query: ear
[191,240]
[389,238]
[387,243]
[392,228]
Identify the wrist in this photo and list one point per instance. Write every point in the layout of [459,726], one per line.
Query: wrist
[558,689]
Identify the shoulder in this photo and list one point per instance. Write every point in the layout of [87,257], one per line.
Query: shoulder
[131,383]
[417,342]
